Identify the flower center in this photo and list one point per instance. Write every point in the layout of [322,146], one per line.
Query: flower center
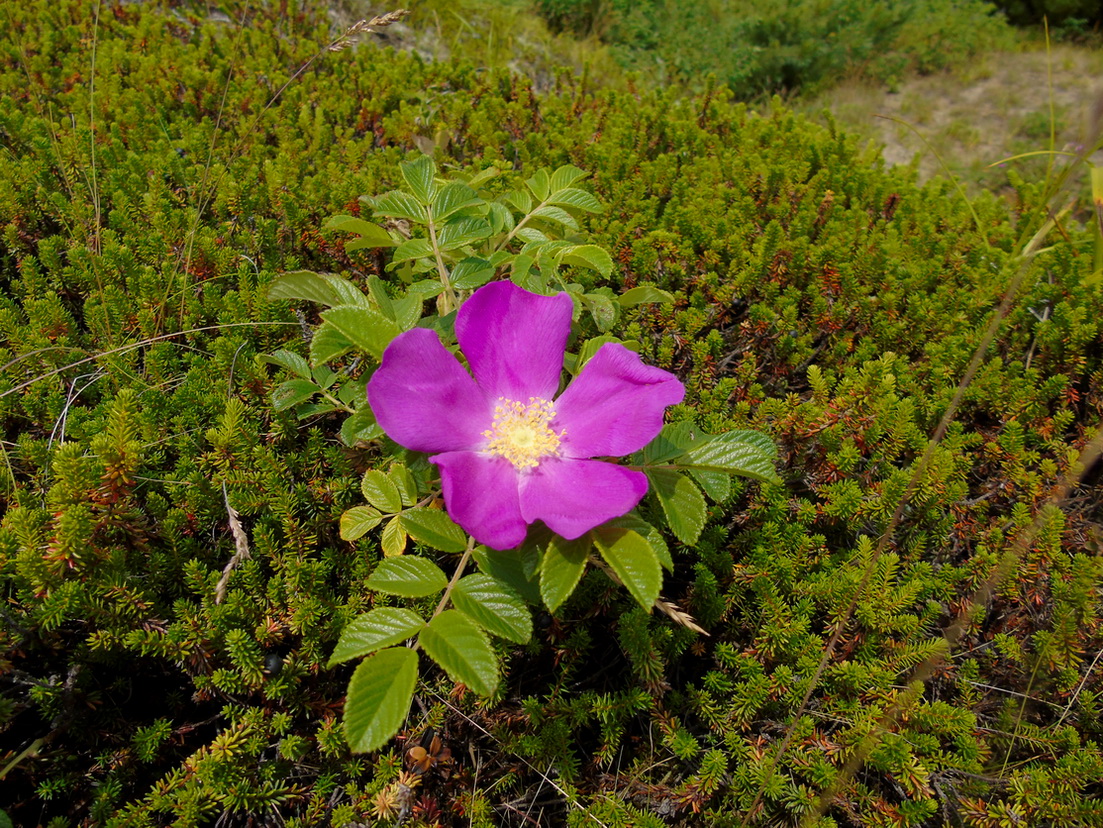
[522,433]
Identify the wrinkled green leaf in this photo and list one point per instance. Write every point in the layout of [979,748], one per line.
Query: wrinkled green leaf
[461,648]
[401,477]
[644,295]
[398,204]
[327,344]
[366,329]
[717,485]
[418,175]
[291,393]
[587,255]
[380,491]
[561,568]
[393,539]
[453,197]
[540,185]
[493,607]
[360,427]
[408,576]
[564,177]
[375,630]
[412,249]
[634,561]
[323,288]
[509,567]
[576,199]
[379,698]
[471,273]
[291,361]
[557,215]
[358,521]
[653,536]
[682,502]
[370,235]
[743,452]
[462,231]
[602,309]
[434,528]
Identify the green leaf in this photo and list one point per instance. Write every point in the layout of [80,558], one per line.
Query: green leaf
[418,175]
[360,428]
[370,235]
[407,311]
[471,273]
[366,329]
[393,539]
[286,359]
[401,477]
[633,560]
[644,295]
[561,568]
[379,698]
[358,521]
[323,288]
[587,255]
[557,215]
[462,231]
[743,452]
[717,485]
[398,204]
[602,309]
[495,608]
[380,491]
[375,630]
[456,643]
[453,197]
[673,441]
[654,536]
[564,177]
[500,217]
[540,185]
[412,249]
[682,502]
[531,234]
[576,199]
[508,566]
[519,200]
[328,344]
[290,393]
[377,288]
[434,528]
[408,576]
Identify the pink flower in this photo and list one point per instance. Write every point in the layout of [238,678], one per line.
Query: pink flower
[509,451]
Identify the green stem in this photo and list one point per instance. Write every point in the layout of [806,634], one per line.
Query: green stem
[455,578]
[449,295]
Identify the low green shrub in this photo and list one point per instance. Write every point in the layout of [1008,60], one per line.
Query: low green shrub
[154,674]
[780,46]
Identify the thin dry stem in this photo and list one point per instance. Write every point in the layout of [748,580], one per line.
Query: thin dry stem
[241,545]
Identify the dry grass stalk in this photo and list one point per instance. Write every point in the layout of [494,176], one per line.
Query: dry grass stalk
[352,34]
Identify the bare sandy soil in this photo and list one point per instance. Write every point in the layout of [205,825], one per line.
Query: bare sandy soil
[979,115]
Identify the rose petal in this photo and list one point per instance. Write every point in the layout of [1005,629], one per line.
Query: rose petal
[514,340]
[574,496]
[481,495]
[423,398]
[615,405]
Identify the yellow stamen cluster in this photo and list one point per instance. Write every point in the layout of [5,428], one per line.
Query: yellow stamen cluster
[522,433]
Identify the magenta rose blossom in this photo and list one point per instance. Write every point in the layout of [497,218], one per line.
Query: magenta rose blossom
[509,451]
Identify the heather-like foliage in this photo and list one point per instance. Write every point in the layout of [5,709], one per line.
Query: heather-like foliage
[171,552]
